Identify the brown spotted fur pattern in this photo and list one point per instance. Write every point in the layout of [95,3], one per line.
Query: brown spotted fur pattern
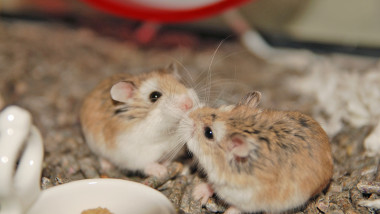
[289,157]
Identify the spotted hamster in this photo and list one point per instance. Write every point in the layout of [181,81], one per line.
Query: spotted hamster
[258,160]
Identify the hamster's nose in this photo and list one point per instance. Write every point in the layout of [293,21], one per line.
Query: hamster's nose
[186,104]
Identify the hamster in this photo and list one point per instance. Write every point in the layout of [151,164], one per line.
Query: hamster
[258,160]
[131,120]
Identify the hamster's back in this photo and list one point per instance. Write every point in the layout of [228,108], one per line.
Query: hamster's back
[298,147]
[292,160]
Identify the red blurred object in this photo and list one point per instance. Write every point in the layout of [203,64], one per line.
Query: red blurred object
[146,12]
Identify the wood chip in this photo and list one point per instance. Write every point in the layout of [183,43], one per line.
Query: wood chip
[177,191]
[88,169]
[188,204]
[369,187]
[373,204]
[323,204]
[46,183]
[215,206]
[356,197]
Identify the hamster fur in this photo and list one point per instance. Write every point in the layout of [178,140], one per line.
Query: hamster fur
[258,160]
[130,120]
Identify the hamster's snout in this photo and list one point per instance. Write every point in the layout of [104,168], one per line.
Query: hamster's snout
[186,104]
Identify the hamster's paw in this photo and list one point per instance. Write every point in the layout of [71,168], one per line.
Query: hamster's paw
[106,165]
[232,210]
[156,169]
[203,192]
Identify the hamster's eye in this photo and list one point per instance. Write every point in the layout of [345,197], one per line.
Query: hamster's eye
[208,133]
[154,96]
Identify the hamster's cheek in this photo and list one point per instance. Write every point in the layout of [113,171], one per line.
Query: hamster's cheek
[193,146]
[194,97]
[186,128]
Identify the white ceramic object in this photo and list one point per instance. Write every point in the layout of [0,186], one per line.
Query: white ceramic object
[18,190]
[20,184]
[118,196]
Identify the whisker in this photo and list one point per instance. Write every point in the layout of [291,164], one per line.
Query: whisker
[209,72]
[175,150]
[188,74]
[231,54]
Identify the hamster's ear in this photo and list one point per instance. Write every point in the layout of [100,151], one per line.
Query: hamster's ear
[122,91]
[252,99]
[172,69]
[239,145]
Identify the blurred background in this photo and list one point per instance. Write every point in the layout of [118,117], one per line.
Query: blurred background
[347,26]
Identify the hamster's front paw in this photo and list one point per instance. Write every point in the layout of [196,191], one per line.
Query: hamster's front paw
[203,192]
[156,169]
[232,210]
[106,165]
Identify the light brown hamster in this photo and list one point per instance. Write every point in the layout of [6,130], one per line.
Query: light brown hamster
[130,120]
[258,160]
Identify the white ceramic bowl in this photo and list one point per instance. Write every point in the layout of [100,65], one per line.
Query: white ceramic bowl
[20,183]
[118,196]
